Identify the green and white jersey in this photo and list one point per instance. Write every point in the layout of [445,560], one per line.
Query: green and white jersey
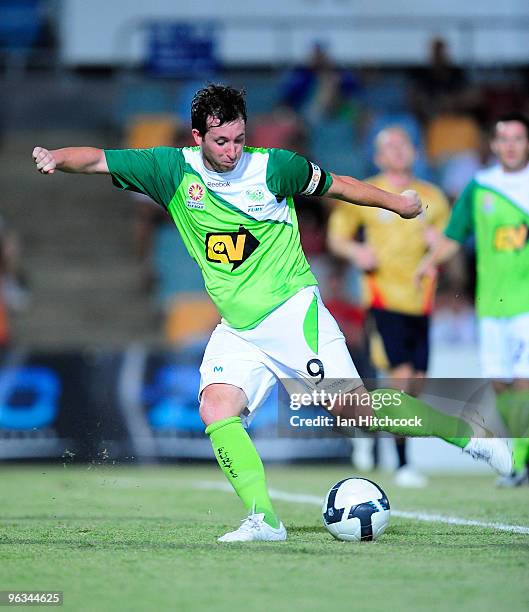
[495,207]
[239,226]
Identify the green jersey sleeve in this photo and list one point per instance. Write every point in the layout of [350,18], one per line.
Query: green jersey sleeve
[156,172]
[461,222]
[289,174]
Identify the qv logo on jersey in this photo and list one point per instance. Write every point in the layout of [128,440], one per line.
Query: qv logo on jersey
[230,247]
[196,194]
[511,238]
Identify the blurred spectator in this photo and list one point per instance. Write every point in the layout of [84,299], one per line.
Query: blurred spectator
[319,88]
[349,315]
[453,145]
[383,91]
[145,131]
[281,128]
[438,80]
[392,250]
[501,98]
[442,77]
[14,294]
[376,122]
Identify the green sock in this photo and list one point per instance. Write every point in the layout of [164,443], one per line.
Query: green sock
[433,423]
[520,453]
[513,406]
[242,466]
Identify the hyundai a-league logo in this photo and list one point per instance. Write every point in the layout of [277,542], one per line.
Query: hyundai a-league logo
[195,192]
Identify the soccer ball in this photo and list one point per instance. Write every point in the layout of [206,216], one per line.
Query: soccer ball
[356,509]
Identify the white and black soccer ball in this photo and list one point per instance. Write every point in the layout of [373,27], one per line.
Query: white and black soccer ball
[356,509]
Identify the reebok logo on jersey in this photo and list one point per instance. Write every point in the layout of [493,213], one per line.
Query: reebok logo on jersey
[230,247]
[213,184]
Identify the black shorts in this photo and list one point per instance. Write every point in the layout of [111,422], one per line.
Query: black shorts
[405,338]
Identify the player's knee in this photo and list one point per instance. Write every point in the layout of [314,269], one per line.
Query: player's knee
[219,401]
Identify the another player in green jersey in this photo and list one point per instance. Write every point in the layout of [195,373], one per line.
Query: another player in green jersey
[234,208]
[495,208]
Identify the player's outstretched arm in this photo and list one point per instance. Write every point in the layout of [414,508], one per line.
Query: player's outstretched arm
[85,160]
[407,204]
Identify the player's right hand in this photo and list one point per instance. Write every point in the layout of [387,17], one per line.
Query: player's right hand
[44,160]
[411,204]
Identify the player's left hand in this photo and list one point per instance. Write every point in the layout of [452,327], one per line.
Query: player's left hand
[411,205]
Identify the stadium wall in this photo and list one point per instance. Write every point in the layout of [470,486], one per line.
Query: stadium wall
[132,405]
[251,33]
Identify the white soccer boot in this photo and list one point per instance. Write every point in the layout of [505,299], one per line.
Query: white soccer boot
[494,451]
[255,529]
[515,479]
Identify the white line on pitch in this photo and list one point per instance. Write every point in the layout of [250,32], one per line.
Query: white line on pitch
[417,516]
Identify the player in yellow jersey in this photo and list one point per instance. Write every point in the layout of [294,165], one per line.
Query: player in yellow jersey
[389,257]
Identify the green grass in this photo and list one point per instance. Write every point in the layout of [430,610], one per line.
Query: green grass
[125,538]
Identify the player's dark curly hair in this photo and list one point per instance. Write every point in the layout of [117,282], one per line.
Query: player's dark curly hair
[224,103]
[512,116]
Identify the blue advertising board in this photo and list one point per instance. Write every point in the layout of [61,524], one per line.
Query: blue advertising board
[181,49]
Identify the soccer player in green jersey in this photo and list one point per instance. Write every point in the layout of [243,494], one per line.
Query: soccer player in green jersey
[495,208]
[233,206]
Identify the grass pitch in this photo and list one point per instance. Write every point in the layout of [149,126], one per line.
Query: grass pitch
[144,538]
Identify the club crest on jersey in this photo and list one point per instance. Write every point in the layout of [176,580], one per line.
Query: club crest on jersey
[255,194]
[230,247]
[195,193]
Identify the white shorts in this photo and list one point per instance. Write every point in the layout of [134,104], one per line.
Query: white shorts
[299,340]
[504,347]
